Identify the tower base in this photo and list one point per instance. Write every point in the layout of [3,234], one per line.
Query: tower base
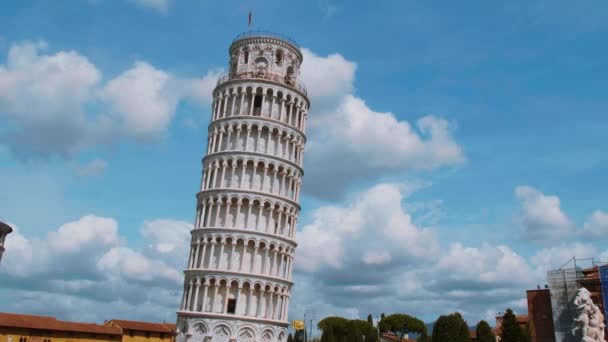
[196,328]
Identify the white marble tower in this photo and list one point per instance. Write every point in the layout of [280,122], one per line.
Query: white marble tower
[238,281]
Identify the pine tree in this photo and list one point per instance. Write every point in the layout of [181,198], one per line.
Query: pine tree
[451,328]
[484,332]
[511,331]
[370,320]
[290,338]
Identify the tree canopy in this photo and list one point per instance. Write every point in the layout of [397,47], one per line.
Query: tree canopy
[290,338]
[339,329]
[511,331]
[450,328]
[401,324]
[484,332]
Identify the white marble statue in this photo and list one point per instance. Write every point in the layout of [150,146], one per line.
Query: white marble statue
[590,320]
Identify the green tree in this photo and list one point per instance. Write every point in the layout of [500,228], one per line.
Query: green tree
[337,325]
[401,324]
[370,320]
[511,331]
[450,328]
[290,338]
[363,328]
[382,316]
[484,332]
[339,329]
[327,336]
[424,337]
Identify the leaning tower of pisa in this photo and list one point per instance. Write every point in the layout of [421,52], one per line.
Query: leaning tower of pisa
[238,279]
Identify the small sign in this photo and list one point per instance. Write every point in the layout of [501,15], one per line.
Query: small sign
[297,325]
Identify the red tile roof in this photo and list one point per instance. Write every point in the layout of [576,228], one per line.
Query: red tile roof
[52,323]
[144,326]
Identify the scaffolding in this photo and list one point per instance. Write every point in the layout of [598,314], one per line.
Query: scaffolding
[563,284]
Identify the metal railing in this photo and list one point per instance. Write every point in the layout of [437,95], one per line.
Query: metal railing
[299,86]
[265,34]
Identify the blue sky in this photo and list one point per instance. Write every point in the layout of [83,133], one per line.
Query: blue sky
[456,150]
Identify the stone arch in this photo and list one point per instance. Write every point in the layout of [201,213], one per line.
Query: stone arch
[246,334]
[198,331]
[222,332]
[267,335]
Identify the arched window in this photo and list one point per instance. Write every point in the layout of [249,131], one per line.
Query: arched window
[246,56]
[289,76]
[279,57]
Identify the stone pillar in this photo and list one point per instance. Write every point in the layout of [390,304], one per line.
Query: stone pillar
[198,285]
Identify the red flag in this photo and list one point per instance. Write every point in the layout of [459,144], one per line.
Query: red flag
[250,18]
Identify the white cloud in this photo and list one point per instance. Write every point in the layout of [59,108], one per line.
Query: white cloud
[74,236]
[369,249]
[348,137]
[127,263]
[144,98]
[542,217]
[85,263]
[161,6]
[94,168]
[166,238]
[374,219]
[328,80]
[488,264]
[41,97]
[199,90]
[596,225]
[56,104]
[555,257]
[376,258]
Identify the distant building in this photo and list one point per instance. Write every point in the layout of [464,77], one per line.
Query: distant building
[134,331]
[540,315]
[389,337]
[30,328]
[5,229]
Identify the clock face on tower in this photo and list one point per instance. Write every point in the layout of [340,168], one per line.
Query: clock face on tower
[238,280]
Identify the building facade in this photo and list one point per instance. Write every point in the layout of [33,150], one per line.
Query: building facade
[136,331]
[30,328]
[239,275]
[540,315]
[5,229]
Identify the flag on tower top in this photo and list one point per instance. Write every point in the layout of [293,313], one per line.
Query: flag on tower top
[250,13]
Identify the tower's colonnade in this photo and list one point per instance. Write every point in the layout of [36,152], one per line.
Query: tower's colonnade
[239,273]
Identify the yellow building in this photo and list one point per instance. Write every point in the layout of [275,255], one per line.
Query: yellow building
[134,331]
[30,328]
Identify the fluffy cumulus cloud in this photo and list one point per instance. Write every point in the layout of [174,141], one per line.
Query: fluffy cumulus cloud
[143,97]
[375,219]
[542,216]
[372,251]
[87,264]
[596,225]
[41,98]
[57,104]
[544,220]
[348,137]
